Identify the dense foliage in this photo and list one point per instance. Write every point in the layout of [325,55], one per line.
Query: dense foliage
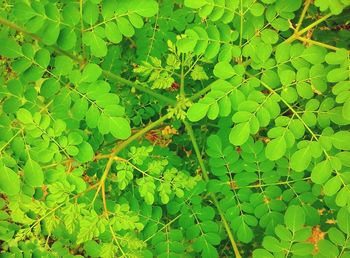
[174,128]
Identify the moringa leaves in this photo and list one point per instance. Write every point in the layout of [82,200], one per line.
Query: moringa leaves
[9,181]
[33,174]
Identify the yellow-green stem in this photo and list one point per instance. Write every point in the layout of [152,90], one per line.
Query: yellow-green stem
[313,42]
[314,24]
[301,32]
[302,16]
[116,150]
[139,87]
[182,77]
[212,195]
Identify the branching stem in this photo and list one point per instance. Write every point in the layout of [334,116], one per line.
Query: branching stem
[297,34]
[139,87]
[118,149]
[313,42]
[302,16]
[212,195]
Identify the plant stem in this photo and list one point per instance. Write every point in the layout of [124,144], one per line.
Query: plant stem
[139,87]
[212,195]
[302,16]
[312,25]
[17,28]
[149,127]
[116,240]
[182,78]
[196,150]
[241,22]
[200,93]
[118,149]
[313,42]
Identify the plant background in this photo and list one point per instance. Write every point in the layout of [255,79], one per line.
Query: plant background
[195,128]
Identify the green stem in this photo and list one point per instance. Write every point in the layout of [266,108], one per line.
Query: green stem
[200,93]
[17,28]
[139,87]
[212,195]
[182,78]
[149,127]
[302,16]
[241,21]
[196,150]
[118,149]
[313,42]
[312,25]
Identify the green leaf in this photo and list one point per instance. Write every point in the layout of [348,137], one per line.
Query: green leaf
[120,128]
[272,244]
[294,218]
[239,133]
[92,116]
[125,27]
[51,32]
[257,9]
[92,248]
[326,247]
[341,140]
[302,249]
[188,42]
[63,65]
[197,111]
[9,48]
[91,73]
[337,57]
[90,13]
[224,70]
[282,53]
[332,186]
[97,44]
[300,159]
[321,172]
[283,233]
[276,148]
[9,181]
[346,109]
[343,220]
[33,173]
[314,54]
[11,105]
[75,138]
[195,4]
[86,153]
[287,6]
[259,253]
[24,116]
[245,233]
[145,8]
[338,74]
[113,34]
